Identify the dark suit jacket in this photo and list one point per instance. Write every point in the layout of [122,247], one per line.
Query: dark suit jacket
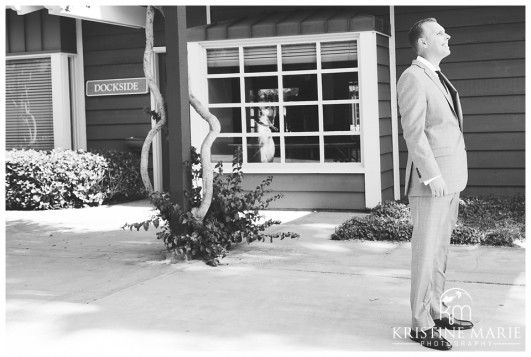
[431,126]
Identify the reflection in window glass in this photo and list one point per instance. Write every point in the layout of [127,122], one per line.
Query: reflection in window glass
[229,118]
[263,149]
[339,54]
[260,59]
[224,90]
[340,85]
[342,148]
[299,118]
[299,57]
[261,89]
[341,117]
[223,60]
[263,119]
[302,149]
[300,87]
[223,149]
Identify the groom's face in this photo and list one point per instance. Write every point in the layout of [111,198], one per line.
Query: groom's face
[435,40]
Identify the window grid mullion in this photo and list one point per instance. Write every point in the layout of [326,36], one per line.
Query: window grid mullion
[242,107]
[281,105]
[320,102]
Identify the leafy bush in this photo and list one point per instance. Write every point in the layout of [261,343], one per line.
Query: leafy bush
[232,218]
[482,220]
[38,180]
[122,181]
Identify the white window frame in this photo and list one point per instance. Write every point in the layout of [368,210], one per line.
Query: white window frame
[368,99]
[62,116]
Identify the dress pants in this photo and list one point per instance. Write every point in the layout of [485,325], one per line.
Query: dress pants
[433,221]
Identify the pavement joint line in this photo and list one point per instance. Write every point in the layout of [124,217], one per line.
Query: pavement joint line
[388,276]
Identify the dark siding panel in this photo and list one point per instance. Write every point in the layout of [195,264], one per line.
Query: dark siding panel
[487,66]
[52,33]
[116,132]
[17,32]
[305,182]
[387,179]
[68,35]
[114,52]
[387,162]
[485,123]
[33,32]
[316,191]
[496,159]
[388,194]
[117,116]
[385,125]
[494,190]
[320,200]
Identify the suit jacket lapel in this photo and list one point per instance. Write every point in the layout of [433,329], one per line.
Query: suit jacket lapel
[457,111]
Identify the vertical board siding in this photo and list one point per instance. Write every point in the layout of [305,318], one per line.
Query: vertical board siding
[39,32]
[487,66]
[114,52]
[384,103]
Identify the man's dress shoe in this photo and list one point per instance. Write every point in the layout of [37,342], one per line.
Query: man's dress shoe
[431,339]
[456,325]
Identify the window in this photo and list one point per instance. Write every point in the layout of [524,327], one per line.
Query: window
[286,103]
[29,104]
[41,99]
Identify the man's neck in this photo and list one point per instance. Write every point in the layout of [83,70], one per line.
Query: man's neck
[434,61]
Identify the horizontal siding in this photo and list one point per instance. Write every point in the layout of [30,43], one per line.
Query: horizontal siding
[487,66]
[316,191]
[114,52]
[384,112]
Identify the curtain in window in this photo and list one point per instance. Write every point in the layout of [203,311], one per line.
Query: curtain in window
[29,104]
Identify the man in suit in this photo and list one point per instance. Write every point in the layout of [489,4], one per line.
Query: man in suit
[436,173]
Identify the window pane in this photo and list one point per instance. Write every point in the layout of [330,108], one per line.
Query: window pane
[223,60]
[29,104]
[342,148]
[340,85]
[299,57]
[299,118]
[260,119]
[300,87]
[261,89]
[229,118]
[224,90]
[302,149]
[339,54]
[223,149]
[260,59]
[263,149]
[341,117]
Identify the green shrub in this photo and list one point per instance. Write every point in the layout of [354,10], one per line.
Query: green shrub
[233,216]
[482,220]
[122,181]
[40,180]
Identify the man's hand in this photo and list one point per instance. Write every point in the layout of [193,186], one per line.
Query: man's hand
[438,187]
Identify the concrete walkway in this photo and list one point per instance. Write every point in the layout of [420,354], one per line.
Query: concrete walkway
[77,285]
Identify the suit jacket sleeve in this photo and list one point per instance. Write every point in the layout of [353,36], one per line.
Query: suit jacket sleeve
[413,102]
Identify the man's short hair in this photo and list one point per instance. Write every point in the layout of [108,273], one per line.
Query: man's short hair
[416,32]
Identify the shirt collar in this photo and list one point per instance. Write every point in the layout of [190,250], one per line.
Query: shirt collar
[428,64]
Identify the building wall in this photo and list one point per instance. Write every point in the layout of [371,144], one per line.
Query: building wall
[384,110]
[39,32]
[314,191]
[487,66]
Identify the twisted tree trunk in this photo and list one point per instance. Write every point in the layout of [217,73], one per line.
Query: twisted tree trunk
[206,164]
[154,89]
[213,122]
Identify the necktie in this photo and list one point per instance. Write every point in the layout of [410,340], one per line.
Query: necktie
[441,78]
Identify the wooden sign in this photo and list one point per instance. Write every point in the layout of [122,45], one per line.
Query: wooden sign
[125,86]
